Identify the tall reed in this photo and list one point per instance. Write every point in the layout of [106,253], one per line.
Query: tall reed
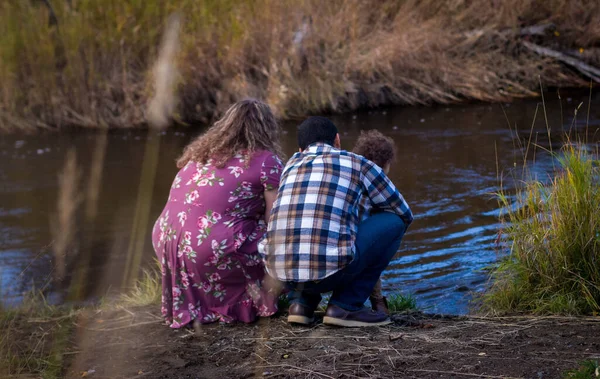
[63,226]
[94,64]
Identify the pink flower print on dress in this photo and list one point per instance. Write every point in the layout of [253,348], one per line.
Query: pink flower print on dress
[206,287]
[213,217]
[192,310]
[213,260]
[182,216]
[185,280]
[235,171]
[238,211]
[177,320]
[219,248]
[203,222]
[239,240]
[263,311]
[211,317]
[223,266]
[219,292]
[189,253]
[177,298]
[252,260]
[191,197]
[214,277]
[176,182]
[187,237]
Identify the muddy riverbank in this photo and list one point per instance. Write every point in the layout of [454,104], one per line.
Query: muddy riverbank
[127,343]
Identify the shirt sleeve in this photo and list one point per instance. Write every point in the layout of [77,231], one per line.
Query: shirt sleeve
[382,192]
[270,172]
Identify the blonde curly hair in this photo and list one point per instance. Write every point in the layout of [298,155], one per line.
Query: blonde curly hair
[247,126]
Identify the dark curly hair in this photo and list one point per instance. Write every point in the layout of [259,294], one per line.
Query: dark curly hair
[376,147]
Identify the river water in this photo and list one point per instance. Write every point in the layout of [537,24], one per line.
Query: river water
[449,164]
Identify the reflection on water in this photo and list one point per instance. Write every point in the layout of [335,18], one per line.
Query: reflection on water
[447,169]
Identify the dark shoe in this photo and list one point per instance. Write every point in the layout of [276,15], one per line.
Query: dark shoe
[300,314]
[380,304]
[363,317]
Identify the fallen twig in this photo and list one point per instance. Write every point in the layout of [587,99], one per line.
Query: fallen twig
[308,337]
[465,374]
[308,371]
[123,327]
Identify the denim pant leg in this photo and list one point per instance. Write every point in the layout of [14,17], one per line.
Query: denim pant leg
[304,293]
[377,242]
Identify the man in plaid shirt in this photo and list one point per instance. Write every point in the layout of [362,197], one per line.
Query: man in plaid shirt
[315,242]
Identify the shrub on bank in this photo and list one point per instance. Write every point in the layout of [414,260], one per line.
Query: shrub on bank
[553,232]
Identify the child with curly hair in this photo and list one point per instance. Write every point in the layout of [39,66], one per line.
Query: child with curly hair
[380,150]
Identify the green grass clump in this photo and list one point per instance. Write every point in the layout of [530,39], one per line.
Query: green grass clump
[553,232]
[587,370]
[34,338]
[399,303]
[146,291]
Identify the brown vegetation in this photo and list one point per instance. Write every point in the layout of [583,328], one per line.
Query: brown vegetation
[92,64]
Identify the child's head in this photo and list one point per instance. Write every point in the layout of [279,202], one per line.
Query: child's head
[377,148]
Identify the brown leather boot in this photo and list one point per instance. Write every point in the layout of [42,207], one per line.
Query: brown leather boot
[300,314]
[380,304]
[363,317]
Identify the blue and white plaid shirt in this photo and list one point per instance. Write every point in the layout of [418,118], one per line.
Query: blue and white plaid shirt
[314,220]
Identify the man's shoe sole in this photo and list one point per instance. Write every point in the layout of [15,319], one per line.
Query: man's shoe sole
[297,319]
[352,323]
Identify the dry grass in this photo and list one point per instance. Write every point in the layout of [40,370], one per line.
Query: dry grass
[146,291]
[301,56]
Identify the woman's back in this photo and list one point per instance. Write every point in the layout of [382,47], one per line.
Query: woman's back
[221,203]
[206,236]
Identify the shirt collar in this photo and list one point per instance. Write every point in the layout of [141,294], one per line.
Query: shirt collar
[318,147]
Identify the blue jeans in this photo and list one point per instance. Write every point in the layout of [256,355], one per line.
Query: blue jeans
[377,241]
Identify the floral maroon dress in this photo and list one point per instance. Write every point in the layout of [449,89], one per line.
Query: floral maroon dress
[206,240]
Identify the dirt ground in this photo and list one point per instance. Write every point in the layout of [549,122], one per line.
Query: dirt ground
[127,343]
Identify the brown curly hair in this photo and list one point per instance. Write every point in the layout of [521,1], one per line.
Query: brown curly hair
[247,126]
[376,147]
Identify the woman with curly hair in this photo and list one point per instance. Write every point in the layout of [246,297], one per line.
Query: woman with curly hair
[206,237]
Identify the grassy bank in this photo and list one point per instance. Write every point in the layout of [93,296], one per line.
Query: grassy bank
[89,63]
[553,232]
[35,339]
